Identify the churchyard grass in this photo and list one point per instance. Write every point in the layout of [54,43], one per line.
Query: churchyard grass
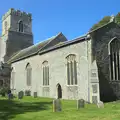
[30,108]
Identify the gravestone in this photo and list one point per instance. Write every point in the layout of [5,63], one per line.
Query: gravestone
[20,95]
[100,104]
[80,103]
[27,93]
[94,99]
[35,94]
[57,105]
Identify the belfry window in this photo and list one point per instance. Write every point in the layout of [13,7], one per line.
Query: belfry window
[21,26]
[45,73]
[71,70]
[28,74]
[114,51]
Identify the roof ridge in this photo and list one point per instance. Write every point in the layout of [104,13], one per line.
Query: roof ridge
[50,41]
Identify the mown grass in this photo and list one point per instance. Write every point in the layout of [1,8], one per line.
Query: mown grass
[41,109]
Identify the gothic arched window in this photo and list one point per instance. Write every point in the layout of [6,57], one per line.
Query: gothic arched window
[114,52]
[28,74]
[45,73]
[20,26]
[71,70]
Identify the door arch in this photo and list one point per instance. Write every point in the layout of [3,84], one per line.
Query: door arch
[59,91]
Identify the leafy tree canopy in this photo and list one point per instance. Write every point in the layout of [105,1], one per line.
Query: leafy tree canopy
[105,20]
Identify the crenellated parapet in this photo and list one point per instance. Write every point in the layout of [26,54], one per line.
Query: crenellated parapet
[12,11]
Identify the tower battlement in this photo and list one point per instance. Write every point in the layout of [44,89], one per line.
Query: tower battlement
[12,11]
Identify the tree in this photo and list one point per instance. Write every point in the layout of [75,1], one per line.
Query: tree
[117,18]
[102,22]
[105,20]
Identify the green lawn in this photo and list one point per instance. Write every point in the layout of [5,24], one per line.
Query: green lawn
[41,109]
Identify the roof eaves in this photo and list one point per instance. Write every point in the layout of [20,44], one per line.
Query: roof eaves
[24,57]
[12,57]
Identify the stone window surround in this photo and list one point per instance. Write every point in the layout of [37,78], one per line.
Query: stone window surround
[45,74]
[20,22]
[71,80]
[114,69]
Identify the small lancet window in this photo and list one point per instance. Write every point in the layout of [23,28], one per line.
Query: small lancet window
[28,74]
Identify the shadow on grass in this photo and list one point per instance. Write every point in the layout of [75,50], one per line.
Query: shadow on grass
[9,109]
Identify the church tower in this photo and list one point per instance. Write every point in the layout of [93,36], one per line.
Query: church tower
[16,33]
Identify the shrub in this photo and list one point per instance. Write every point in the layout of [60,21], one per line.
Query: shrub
[3,91]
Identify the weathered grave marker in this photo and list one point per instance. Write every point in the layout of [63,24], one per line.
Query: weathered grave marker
[35,94]
[100,104]
[27,93]
[80,103]
[20,95]
[57,105]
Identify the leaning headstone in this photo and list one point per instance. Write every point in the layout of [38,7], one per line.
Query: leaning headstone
[57,105]
[80,103]
[35,94]
[100,104]
[20,95]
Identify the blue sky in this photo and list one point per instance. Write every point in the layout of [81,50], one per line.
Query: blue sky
[71,17]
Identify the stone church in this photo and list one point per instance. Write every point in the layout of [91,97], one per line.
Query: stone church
[86,67]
